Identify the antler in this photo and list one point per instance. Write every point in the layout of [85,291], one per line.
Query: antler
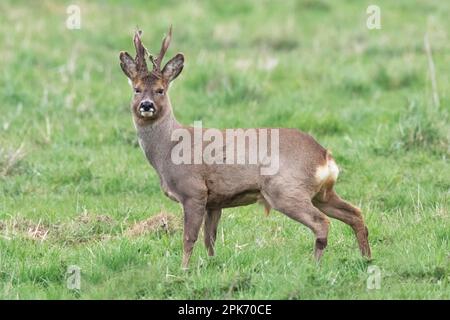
[164,46]
[141,51]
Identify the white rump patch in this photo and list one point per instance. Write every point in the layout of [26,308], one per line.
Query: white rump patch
[329,171]
[334,170]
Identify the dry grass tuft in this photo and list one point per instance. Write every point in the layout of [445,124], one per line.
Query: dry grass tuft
[9,158]
[162,222]
[21,227]
[87,218]
[84,228]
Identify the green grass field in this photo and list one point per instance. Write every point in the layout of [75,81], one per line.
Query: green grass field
[73,179]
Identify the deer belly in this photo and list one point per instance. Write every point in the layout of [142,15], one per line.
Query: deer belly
[234,200]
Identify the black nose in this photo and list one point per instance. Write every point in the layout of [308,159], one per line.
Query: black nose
[147,105]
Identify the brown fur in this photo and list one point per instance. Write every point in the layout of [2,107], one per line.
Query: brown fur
[204,190]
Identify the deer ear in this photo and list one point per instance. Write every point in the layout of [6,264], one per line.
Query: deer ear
[173,68]
[128,65]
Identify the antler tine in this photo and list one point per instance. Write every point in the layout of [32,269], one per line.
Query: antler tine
[140,52]
[164,46]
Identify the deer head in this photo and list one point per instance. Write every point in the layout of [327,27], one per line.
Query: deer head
[150,100]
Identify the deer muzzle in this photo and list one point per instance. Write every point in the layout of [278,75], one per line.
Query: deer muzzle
[147,109]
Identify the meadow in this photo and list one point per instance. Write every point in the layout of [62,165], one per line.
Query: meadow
[73,181]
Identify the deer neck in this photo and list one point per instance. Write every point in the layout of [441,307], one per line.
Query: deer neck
[155,138]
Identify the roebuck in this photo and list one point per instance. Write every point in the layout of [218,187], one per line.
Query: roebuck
[302,188]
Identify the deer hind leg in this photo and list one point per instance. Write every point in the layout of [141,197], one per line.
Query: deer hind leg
[212,218]
[329,202]
[301,209]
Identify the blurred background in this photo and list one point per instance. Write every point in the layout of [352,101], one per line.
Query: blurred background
[73,180]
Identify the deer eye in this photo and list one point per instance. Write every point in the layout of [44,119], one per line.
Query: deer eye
[137,90]
[160,91]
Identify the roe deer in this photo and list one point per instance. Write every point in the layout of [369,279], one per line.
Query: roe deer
[302,188]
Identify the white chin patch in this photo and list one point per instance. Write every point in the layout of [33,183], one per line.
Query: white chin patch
[147,114]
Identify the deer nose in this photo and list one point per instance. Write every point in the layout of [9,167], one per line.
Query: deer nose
[146,106]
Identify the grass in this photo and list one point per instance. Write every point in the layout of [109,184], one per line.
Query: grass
[73,180]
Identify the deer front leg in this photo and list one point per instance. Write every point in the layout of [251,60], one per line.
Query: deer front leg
[212,218]
[194,211]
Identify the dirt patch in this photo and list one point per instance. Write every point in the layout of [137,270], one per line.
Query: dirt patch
[162,222]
